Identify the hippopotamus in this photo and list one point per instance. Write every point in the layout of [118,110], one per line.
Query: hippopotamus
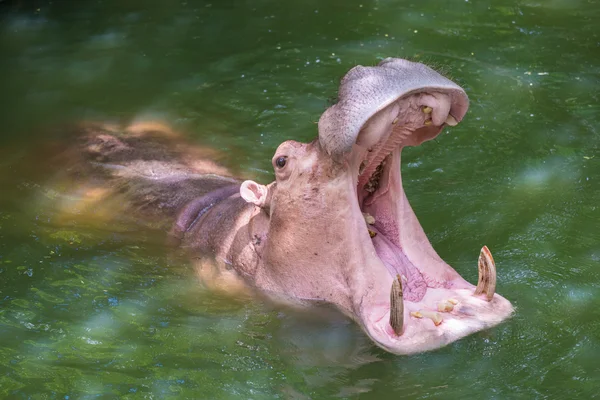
[335,225]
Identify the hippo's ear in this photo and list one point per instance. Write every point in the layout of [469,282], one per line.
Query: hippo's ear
[255,193]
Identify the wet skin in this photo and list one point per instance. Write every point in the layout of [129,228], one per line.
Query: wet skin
[335,226]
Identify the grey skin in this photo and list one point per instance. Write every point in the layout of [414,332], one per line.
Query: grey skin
[335,226]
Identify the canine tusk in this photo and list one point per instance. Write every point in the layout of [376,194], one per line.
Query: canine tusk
[487,274]
[397,307]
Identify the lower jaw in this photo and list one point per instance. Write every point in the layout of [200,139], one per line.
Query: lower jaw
[440,306]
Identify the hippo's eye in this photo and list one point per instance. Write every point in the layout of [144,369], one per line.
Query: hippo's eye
[280,162]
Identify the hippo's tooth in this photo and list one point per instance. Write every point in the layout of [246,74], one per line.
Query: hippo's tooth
[397,307]
[451,121]
[432,315]
[427,122]
[487,274]
[395,121]
[369,219]
[445,306]
[427,110]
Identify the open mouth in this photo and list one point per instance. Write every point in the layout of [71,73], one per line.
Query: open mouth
[380,193]
[413,300]
[428,298]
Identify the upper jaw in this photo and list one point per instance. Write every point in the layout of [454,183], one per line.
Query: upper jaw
[366,91]
[409,121]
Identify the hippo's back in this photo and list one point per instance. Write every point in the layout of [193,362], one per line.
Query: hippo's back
[146,174]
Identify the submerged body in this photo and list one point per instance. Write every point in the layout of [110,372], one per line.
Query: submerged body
[335,226]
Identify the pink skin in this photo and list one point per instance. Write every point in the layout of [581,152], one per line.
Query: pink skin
[319,246]
[304,237]
[429,281]
[403,246]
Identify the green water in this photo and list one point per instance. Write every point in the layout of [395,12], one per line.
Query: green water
[89,312]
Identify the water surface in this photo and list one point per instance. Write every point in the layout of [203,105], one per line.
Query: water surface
[87,312]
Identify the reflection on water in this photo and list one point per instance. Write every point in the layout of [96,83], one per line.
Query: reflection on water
[90,310]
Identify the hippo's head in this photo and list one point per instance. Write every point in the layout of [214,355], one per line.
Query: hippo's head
[341,229]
